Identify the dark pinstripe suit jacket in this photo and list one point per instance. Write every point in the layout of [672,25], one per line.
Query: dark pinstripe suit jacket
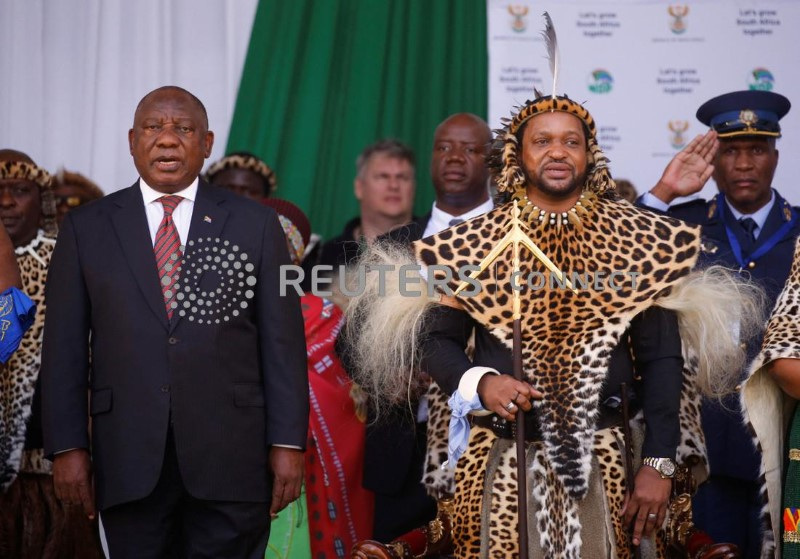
[230,388]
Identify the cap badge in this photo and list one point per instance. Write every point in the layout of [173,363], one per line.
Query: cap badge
[748,118]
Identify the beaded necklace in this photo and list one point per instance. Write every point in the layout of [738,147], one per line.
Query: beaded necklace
[537,217]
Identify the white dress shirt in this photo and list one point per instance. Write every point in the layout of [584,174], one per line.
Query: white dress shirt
[759,216]
[181,215]
[440,220]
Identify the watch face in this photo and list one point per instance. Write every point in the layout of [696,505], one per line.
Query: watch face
[667,467]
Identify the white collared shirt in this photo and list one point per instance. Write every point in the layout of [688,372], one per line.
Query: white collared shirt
[181,216]
[759,216]
[440,220]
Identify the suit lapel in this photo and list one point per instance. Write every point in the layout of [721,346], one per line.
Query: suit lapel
[421,224]
[208,220]
[130,223]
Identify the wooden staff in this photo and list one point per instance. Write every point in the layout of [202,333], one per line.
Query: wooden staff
[517,237]
[522,477]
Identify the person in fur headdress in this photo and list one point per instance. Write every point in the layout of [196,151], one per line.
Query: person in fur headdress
[33,523]
[578,346]
[72,190]
[244,174]
[604,294]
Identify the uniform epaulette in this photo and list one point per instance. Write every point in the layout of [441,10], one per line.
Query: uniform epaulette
[712,208]
[787,211]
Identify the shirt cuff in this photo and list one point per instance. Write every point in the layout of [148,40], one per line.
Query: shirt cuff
[651,201]
[293,447]
[468,385]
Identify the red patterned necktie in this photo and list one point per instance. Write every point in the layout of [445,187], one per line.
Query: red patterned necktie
[168,251]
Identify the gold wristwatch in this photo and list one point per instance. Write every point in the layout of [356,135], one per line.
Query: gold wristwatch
[665,467]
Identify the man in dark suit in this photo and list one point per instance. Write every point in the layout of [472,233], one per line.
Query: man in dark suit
[395,445]
[198,389]
[459,175]
[384,187]
[750,227]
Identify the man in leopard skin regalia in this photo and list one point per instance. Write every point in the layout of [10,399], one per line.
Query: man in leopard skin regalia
[606,297]
[769,405]
[32,521]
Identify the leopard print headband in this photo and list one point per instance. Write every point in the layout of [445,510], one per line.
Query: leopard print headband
[34,173]
[249,162]
[504,159]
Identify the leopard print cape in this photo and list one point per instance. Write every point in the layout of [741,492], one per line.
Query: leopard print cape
[568,336]
[767,410]
[18,378]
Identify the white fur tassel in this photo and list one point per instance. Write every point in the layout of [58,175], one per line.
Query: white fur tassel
[717,311]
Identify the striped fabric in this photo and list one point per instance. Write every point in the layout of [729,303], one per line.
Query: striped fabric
[167,250]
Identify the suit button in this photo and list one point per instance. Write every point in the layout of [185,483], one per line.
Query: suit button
[165,388]
[173,341]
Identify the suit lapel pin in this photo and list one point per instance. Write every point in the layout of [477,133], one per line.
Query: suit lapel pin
[207,219]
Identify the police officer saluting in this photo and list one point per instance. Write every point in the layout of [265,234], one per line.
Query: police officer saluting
[749,227]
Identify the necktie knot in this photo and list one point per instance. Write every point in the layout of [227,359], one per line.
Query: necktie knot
[170,203]
[749,225]
[455,221]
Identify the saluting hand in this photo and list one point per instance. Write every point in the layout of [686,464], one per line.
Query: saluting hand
[689,170]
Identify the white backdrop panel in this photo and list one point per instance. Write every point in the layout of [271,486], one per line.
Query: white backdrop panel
[74,71]
[643,67]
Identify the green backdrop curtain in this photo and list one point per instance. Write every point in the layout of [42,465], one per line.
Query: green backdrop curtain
[325,78]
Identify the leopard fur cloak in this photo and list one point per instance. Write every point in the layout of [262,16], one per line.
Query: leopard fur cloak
[564,331]
[568,337]
[18,377]
[767,410]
